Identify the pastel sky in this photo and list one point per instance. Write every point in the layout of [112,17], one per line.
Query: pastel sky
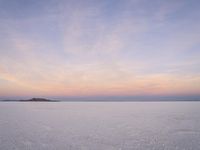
[58,48]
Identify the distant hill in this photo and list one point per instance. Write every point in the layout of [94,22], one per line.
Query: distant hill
[32,100]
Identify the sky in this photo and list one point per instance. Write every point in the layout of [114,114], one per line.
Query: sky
[99,48]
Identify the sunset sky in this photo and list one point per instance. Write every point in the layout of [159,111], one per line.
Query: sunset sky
[64,48]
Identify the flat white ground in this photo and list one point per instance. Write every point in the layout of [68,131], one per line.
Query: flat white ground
[100,126]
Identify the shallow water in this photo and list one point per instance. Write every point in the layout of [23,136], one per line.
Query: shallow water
[99,125]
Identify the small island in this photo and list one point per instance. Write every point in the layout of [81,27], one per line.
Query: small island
[32,100]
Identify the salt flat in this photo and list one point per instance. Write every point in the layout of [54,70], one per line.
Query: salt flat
[99,126]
